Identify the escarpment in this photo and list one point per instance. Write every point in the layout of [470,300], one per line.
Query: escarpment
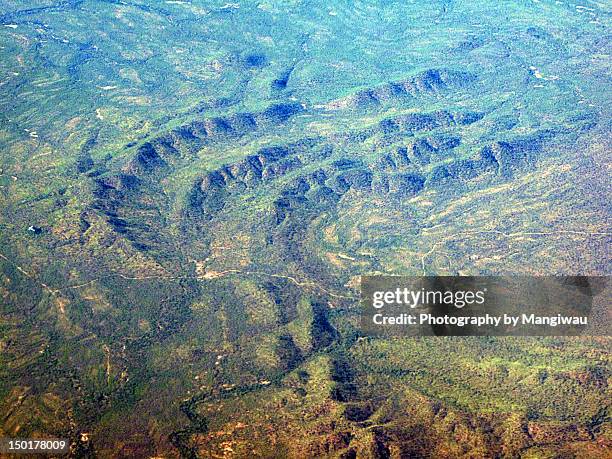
[414,163]
[184,141]
[168,149]
[430,82]
[295,199]
[292,184]
[392,157]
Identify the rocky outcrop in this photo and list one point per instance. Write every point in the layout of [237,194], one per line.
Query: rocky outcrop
[429,82]
[322,333]
[145,161]
[288,354]
[403,172]
[520,153]
[209,192]
[254,60]
[84,162]
[406,184]
[501,158]
[415,122]
[280,83]
[159,151]
[343,375]
[279,113]
[359,179]
[399,184]
[114,186]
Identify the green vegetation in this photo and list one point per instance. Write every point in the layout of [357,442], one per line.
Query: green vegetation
[190,190]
